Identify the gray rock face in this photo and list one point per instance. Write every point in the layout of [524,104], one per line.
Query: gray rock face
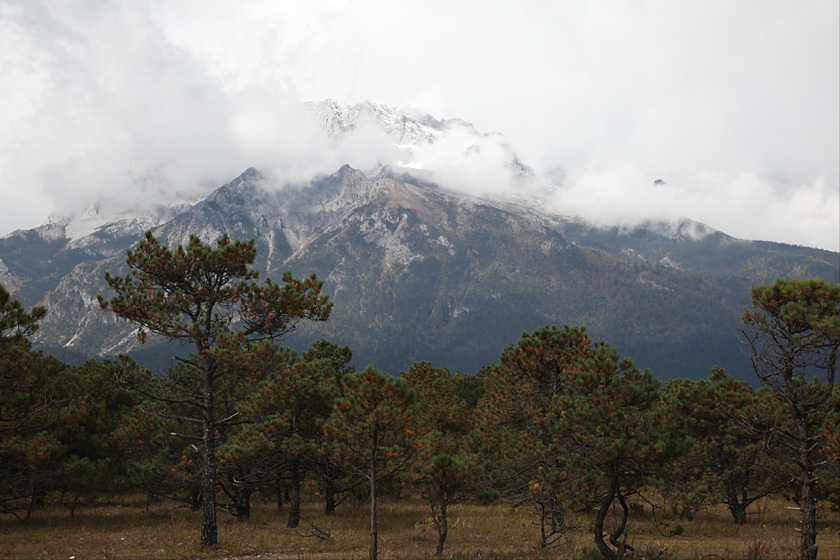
[423,271]
[420,273]
[408,128]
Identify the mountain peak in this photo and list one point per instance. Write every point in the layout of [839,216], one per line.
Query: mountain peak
[406,127]
[249,175]
[418,272]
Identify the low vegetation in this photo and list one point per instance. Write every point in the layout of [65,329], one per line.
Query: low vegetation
[123,529]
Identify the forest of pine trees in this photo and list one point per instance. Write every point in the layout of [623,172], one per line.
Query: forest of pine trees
[561,422]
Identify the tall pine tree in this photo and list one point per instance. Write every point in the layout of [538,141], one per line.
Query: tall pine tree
[793,336]
[208,297]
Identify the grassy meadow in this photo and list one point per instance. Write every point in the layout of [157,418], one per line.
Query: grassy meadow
[123,529]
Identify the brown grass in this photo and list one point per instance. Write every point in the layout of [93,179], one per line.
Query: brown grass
[123,530]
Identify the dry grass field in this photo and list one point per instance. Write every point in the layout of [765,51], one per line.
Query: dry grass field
[124,530]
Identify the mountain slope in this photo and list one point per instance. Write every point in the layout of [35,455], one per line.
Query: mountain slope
[419,273]
[697,248]
[446,254]
[421,277]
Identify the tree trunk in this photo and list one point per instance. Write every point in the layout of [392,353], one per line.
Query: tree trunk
[209,535]
[281,492]
[373,529]
[242,502]
[737,508]
[617,537]
[39,495]
[73,504]
[195,497]
[442,527]
[606,503]
[558,515]
[543,534]
[808,528]
[329,496]
[30,506]
[294,496]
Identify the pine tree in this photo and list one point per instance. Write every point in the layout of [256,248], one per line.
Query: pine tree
[516,416]
[448,468]
[370,434]
[208,297]
[31,455]
[793,336]
[617,439]
[732,459]
[290,405]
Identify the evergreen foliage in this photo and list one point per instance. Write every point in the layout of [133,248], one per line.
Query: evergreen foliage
[560,424]
[733,458]
[370,432]
[793,336]
[517,416]
[616,440]
[207,297]
[30,454]
[448,469]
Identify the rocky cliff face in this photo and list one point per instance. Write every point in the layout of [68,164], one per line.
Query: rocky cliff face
[420,273]
[406,128]
[423,271]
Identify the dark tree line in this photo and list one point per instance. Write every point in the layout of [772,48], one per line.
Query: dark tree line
[560,424]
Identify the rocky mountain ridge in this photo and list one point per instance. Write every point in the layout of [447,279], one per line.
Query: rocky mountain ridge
[422,270]
[428,144]
[418,272]
[407,128]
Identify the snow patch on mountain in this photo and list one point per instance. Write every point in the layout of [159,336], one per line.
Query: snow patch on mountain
[407,128]
[110,220]
[449,152]
[51,230]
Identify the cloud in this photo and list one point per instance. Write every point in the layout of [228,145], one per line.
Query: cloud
[462,159]
[119,113]
[148,100]
[742,205]
[110,109]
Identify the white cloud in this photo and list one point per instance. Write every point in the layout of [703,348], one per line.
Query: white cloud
[148,99]
[462,159]
[743,205]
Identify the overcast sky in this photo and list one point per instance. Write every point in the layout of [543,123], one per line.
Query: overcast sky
[734,104]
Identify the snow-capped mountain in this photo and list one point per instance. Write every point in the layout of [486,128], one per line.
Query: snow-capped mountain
[420,267]
[451,152]
[429,148]
[407,128]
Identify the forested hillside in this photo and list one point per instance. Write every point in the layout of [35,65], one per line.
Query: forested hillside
[562,423]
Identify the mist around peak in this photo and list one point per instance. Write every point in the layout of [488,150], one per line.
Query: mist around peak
[149,102]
